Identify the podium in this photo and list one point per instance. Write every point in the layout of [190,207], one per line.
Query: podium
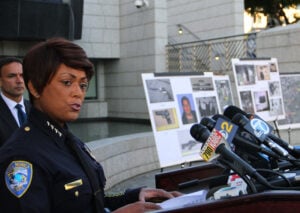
[191,177]
[270,201]
[212,176]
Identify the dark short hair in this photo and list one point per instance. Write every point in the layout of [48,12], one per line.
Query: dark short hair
[4,60]
[184,98]
[42,61]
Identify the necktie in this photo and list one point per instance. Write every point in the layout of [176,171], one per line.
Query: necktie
[21,114]
[91,173]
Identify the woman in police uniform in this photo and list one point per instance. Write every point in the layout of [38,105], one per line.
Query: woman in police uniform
[44,168]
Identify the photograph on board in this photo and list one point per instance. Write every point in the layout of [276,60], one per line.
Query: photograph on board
[187,108]
[159,90]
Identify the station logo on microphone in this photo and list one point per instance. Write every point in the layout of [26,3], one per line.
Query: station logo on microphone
[210,146]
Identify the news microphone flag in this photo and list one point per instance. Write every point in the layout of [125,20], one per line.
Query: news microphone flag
[216,146]
[208,151]
[227,128]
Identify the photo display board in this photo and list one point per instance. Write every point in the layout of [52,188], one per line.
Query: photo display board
[175,103]
[259,88]
[290,84]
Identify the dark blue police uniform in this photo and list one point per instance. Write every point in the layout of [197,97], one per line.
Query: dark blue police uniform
[39,172]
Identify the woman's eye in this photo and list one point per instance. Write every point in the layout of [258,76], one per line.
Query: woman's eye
[84,86]
[67,83]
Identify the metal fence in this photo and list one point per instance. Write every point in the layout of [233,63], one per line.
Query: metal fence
[212,55]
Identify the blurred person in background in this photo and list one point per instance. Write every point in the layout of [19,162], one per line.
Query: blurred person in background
[12,89]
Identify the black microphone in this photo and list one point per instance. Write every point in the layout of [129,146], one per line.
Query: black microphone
[215,145]
[239,139]
[257,128]
[222,124]
[199,132]
[208,122]
[231,111]
[291,149]
[216,148]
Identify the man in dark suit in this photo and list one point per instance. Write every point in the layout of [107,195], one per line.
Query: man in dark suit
[12,88]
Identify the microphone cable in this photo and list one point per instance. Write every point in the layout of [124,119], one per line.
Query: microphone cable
[258,177]
[276,173]
[248,181]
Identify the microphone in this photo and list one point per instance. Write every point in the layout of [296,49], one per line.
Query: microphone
[201,134]
[231,111]
[257,129]
[198,132]
[291,149]
[222,124]
[216,146]
[236,136]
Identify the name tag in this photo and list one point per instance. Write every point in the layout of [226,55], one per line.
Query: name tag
[76,183]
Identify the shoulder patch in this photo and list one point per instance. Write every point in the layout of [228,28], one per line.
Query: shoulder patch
[18,176]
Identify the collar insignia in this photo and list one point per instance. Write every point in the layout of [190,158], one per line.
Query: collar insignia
[54,129]
[18,176]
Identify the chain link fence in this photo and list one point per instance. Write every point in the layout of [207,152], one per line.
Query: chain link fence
[212,55]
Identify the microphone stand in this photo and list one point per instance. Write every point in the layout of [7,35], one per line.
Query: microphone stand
[276,128]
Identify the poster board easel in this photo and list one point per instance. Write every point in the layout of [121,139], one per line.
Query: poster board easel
[167,96]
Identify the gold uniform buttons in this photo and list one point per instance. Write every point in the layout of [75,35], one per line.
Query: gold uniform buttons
[76,193]
[27,128]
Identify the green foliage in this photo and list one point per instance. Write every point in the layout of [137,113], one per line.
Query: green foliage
[268,6]
[271,8]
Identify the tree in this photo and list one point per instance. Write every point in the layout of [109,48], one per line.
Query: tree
[273,9]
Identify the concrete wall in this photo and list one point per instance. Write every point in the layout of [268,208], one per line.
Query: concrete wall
[143,36]
[125,156]
[205,18]
[101,29]
[282,43]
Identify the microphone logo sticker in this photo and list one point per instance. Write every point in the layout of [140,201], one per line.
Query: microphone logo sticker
[208,152]
[224,133]
[227,129]
[260,127]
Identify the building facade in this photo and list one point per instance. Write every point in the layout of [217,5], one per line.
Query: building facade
[125,41]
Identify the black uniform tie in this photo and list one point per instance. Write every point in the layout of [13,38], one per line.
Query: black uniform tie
[21,114]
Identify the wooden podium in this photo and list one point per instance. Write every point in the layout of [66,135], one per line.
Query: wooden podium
[211,175]
[201,176]
[266,202]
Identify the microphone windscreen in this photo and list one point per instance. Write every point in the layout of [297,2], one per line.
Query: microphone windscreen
[231,111]
[208,122]
[240,119]
[199,132]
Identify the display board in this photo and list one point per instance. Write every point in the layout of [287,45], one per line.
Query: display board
[258,87]
[290,84]
[175,103]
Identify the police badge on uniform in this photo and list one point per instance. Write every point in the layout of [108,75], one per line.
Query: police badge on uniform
[18,176]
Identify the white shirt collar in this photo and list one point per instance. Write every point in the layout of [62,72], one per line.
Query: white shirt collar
[10,103]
